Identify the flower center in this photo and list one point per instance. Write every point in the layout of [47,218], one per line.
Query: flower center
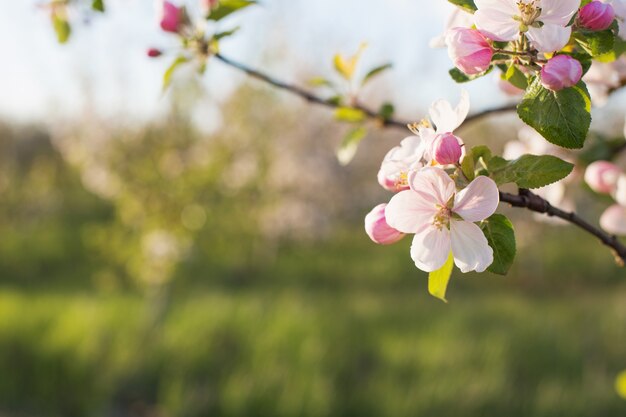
[529,13]
[402,180]
[442,218]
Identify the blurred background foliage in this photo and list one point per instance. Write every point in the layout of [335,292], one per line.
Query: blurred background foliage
[162,271]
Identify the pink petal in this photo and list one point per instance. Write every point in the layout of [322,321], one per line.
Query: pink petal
[409,212]
[469,247]
[433,185]
[478,200]
[550,37]
[430,248]
[613,220]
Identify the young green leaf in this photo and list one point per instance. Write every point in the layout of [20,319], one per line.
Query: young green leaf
[467,5]
[529,171]
[461,77]
[386,111]
[468,166]
[438,280]
[562,117]
[167,77]
[61,27]
[225,34]
[501,237]
[227,7]
[515,77]
[350,144]
[98,5]
[320,82]
[596,43]
[374,72]
[349,114]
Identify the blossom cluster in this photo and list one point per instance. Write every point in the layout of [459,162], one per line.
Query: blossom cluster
[432,200]
[535,37]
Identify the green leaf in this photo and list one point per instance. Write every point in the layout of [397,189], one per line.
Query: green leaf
[375,71]
[515,77]
[467,5]
[596,43]
[225,34]
[386,111]
[227,7]
[349,114]
[461,77]
[167,77]
[562,117]
[61,27]
[320,82]
[501,237]
[529,171]
[438,280]
[98,5]
[350,144]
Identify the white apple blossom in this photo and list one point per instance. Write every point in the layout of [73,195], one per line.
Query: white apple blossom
[544,22]
[443,220]
[399,162]
[457,19]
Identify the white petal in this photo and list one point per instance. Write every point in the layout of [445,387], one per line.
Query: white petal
[549,38]
[613,220]
[508,7]
[496,23]
[430,248]
[620,190]
[478,200]
[409,212]
[433,185]
[558,12]
[445,118]
[469,247]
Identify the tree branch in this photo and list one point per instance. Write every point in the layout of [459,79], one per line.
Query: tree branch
[525,198]
[312,98]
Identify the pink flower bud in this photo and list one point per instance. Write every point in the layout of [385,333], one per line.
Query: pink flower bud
[154,53]
[171,17]
[377,228]
[602,176]
[596,16]
[469,50]
[446,149]
[561,72]
[613,220]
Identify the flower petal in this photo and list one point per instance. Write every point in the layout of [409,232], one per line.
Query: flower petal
[469,247]
[409,212]
[430,248]
[494,19]
[478,200]
[549,37]
[558,12]
[447,119]
[432,184]
[613,220]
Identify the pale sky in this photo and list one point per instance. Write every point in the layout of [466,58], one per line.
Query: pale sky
[105,59]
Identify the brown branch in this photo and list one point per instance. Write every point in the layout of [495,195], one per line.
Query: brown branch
[312,98]
[525,198]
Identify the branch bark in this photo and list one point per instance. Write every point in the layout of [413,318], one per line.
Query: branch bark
[524,199]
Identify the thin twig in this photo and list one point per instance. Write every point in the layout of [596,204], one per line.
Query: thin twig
[525,198]
[312,98]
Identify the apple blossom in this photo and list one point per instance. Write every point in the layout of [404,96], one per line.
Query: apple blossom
[596,16]
[377,228]
[562,71]
[399,162]
[469,50]
[620,190]
[613,220]
[443,220]
[602,176]
[544,22]
[447,149]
